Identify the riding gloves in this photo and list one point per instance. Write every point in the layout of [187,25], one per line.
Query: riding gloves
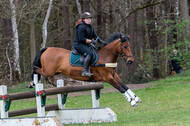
[94,42]
[101,41]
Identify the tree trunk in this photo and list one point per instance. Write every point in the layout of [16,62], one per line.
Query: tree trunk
[32,41]
[140,39]
[132,24]
[100,31]
[44,28]
[6,44]
[184,12]
[79,7]
[66,26]
[167,37]
[16,41]
[86,5]
[152,34]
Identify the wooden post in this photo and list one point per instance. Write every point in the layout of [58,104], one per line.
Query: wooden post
[40,109]
[60,83]
[95,103]
[3,92]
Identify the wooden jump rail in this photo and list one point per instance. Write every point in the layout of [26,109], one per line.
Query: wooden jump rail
[50,91]
[53,91]
[31,110]
[55,110]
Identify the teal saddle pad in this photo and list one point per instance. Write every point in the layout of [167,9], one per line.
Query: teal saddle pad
[75,59]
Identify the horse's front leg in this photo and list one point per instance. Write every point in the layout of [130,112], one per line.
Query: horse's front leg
[128,91]
[111,80]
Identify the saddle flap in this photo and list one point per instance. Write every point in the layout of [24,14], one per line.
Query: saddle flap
[76,59]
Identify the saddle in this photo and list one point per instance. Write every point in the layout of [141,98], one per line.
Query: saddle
[77,59]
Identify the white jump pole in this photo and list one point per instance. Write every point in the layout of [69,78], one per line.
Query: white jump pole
[40,109]
[60,83]
[95,103]
[3,92]
[39,87]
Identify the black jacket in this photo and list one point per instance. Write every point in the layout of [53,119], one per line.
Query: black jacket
[176,61]
[83,32]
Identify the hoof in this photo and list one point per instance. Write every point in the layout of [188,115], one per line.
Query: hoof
[138,100]
[30,85]
[133,103]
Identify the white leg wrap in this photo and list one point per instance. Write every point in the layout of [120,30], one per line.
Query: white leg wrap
[137,99]
[129,99]
[133,96]
[127,96]
[131,93]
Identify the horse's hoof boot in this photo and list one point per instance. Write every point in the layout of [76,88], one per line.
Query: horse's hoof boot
[138,100]
[133,103]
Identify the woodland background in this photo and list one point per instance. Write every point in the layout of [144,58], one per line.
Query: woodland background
[155,28]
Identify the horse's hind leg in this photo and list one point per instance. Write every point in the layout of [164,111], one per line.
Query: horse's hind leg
[128,91]
[31,84]
[36,70]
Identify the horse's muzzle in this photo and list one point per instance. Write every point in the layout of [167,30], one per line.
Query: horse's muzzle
[129,61]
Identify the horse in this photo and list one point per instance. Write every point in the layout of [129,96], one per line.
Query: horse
[53,60]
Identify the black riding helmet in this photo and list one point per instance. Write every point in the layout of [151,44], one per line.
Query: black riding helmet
[86,15]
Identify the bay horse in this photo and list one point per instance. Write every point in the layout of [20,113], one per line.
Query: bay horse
[53,60]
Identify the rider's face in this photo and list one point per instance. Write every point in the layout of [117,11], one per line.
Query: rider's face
[88,20]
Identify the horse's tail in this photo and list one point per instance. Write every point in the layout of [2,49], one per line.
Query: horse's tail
[37,63]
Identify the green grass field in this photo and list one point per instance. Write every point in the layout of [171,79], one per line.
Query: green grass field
[165,103]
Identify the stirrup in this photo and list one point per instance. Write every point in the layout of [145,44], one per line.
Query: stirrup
[85,73]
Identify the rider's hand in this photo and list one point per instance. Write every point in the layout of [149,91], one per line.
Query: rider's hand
[94,42]
[101,41]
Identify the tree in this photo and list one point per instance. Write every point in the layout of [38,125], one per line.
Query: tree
[79,7]
[86,5]
[66,26]
[152,34]
[185,13]
[44,28]
[132,24]
[16,40]
[99,19]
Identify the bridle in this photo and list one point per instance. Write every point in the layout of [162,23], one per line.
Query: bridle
[122,55]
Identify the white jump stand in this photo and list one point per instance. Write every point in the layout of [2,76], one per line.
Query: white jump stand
[85,115]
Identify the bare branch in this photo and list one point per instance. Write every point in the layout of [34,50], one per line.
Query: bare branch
[142,7]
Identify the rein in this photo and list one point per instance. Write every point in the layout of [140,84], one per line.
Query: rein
[122,52]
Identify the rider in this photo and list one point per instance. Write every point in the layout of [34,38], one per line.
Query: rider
[83,38]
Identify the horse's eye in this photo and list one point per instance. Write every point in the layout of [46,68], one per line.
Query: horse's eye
[125,47]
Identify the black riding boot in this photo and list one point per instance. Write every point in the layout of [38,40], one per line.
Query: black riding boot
[86,64]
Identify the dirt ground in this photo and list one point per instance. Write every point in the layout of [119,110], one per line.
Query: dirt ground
[75,82]
[131,86]
[73,94]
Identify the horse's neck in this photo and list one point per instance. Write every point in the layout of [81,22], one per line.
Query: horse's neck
[108,52]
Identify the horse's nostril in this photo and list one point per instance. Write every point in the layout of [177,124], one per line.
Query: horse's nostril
[129,62]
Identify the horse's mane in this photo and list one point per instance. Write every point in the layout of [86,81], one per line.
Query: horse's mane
[115,36]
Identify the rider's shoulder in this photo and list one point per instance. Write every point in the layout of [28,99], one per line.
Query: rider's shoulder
[81,26]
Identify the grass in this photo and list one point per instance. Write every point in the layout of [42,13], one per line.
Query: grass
[19,88]
[166,103]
